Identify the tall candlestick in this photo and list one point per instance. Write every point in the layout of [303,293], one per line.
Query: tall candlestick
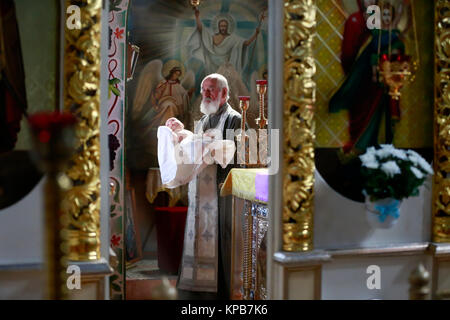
[244,104]
[261,88]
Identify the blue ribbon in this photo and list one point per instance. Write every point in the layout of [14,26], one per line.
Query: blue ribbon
[390,209]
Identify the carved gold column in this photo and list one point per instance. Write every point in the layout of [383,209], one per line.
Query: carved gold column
[82,98]
[299,98]
[441,183]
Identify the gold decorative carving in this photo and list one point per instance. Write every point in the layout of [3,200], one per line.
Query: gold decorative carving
[299,127]
[82,99]
[441,183]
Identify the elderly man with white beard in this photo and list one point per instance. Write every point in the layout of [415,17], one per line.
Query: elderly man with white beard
[206,263]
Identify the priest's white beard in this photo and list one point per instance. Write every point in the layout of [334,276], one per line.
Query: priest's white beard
[211,106]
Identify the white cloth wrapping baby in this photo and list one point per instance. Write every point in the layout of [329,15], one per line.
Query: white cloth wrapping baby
[180,162]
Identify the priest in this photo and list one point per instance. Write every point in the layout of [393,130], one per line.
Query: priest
[206,263]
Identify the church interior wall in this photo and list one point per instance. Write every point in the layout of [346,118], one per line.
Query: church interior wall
[21,227]
[342,223]
[346,278]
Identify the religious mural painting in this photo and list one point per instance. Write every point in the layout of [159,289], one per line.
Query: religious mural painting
[178,46]
[354,109]
[175,58]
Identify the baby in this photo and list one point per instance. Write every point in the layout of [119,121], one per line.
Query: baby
[183,154]
[177,128]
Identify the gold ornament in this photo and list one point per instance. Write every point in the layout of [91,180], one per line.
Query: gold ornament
[395,74]
[82,99]
[299,127]
[395,70]
[441,183]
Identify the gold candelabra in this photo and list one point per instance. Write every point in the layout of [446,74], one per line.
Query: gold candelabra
[395,73]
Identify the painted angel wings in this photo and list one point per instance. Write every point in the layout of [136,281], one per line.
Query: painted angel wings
[148,79]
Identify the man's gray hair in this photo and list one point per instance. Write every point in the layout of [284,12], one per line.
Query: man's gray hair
[221,81]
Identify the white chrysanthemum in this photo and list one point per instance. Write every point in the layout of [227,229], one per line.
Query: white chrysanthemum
[388,150]
[368,157]
[425,166]
[417,173]
[417,160]
[413,157]
[371,164]
[412,153]
[400,154]
[390,168]
[371,150]
[384,152]
[414,160]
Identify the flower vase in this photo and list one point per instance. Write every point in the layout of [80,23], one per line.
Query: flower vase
[383,213]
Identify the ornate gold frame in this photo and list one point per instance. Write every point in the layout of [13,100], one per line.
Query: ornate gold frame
[299,98]
[82,98]
[441,183]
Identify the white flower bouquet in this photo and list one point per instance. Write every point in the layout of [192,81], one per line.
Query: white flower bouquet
[393,173]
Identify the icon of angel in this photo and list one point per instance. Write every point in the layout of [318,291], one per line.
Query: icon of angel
[163,91]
